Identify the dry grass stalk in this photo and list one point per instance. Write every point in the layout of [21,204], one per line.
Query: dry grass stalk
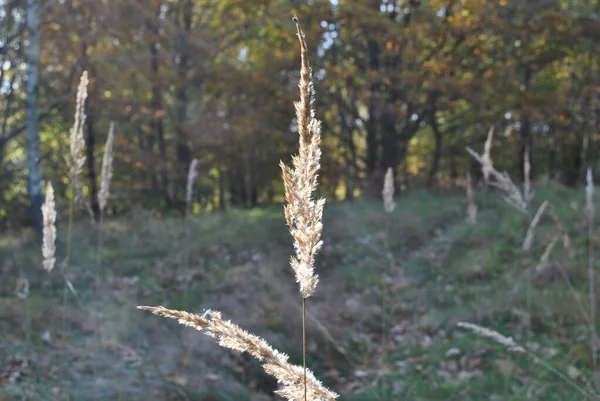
[528,242]
[49,230]
[388,191]
[302,213]
[502,180]
[508,342]
[513,346]
[304,218]
[545,258]
[106,175]
[471,205]
[275,363]
[589,211]
[589,194]
[76,140]
[528,195]
[487,150]
[566,239]
[191,178]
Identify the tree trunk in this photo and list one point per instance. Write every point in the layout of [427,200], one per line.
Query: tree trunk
[32,113]
[389,142]
[572,163]
[373,140]
[91,163]
[551,150]
[156,102]
[182,150]
[526,137]
[437,153]
[222,204]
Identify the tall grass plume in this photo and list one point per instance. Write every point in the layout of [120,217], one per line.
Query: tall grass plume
[501,180]
[590,211]
[388,191]
[231,336]
[49,230]
[528,242]
[303,215]
[77,158]
[106,174]
[191,179]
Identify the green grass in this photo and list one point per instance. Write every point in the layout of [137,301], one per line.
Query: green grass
[446,271]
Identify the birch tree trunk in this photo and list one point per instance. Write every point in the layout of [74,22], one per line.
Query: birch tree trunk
[31,112]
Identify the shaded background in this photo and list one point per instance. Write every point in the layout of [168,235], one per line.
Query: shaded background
[404,84]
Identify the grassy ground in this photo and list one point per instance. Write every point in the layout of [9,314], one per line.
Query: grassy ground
[432,268]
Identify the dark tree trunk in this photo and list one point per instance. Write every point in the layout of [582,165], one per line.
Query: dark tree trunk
[91,164]
[372,125]
[526,137]
[551,154]
[238,189]
[389,141]
[182,149]
[572,161]
[253,191]
[157,102]
[372,141]
[453,168]
[222,202]
[350,165]
[437,153]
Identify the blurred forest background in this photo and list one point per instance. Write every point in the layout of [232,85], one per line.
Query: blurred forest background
[405,84]
[400,84]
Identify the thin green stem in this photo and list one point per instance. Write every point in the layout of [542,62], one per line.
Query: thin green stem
[63,268]
[69,230]
[384,295]
[97,289]
[28,322]
[561,375]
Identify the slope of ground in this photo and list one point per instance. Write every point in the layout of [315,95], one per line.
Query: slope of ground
[382,324]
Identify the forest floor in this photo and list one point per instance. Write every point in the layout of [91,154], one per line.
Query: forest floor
[381,326]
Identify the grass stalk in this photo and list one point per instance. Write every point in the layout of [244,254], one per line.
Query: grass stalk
[303,215]
[590,211]
[304,346]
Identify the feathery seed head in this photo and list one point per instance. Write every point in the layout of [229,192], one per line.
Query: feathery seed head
[388,191]
[191,178]
[527,194]
[106,176]
[303,213]
[304,218]
[275,363]
[77,142]
[589,194]
[487,158]
[502,180]
[508,342]
[49,229]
